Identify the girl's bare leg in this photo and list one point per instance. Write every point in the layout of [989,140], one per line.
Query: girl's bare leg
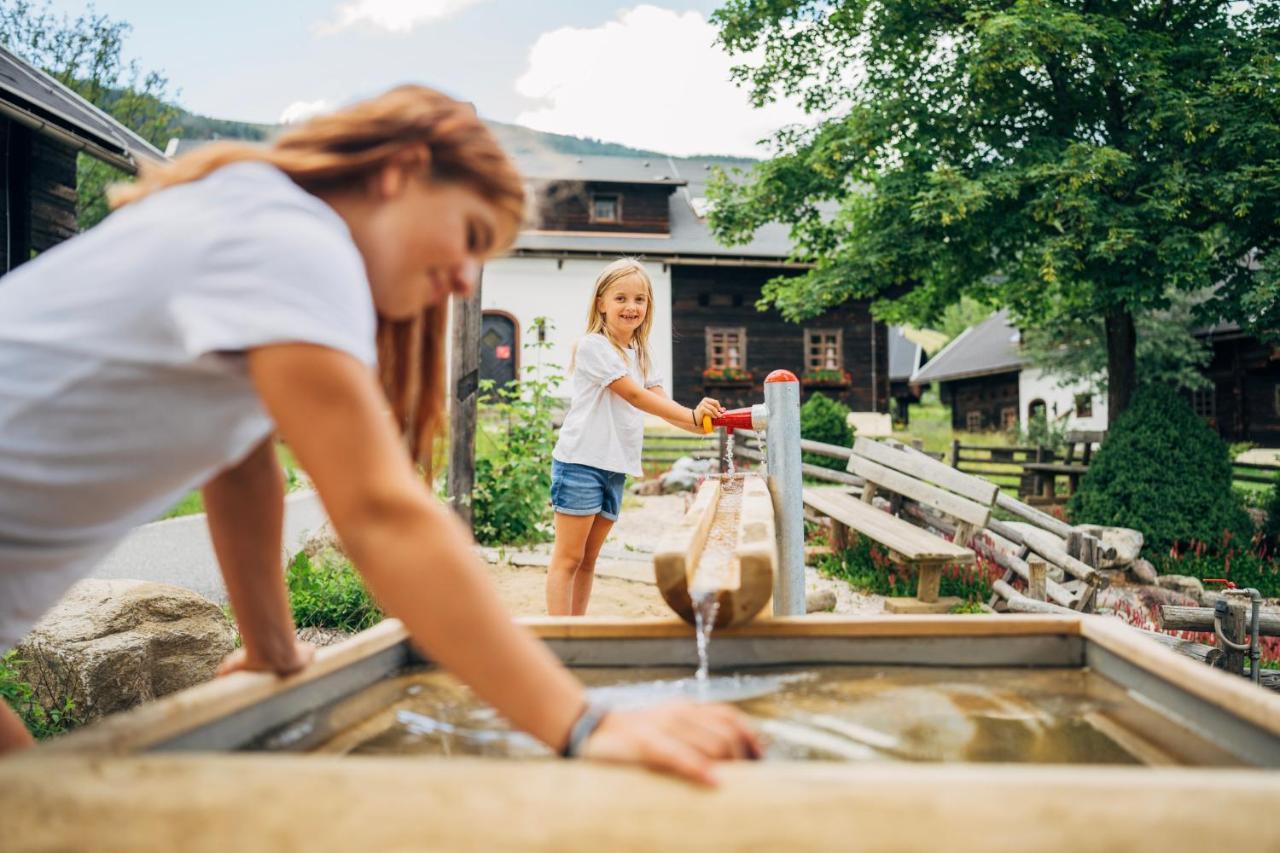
[570,547]
[587,566]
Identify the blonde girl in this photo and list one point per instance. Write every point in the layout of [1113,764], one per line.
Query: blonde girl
[302,288]
[613,386]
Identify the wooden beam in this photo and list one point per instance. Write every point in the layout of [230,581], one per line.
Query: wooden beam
[1175,618]
[920,465]
[464,380]
[918,490]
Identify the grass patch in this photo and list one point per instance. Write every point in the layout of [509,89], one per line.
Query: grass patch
[21,696]
[866,567]
[327,592]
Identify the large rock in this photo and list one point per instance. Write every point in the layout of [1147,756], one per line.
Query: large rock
[685,474]
[112,644]
[1185,584]
[1144,572]
[1126,542]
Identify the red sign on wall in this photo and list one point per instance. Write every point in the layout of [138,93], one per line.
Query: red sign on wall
[503,352]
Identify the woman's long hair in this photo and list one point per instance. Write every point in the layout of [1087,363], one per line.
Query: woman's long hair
[342,150]
[609,276]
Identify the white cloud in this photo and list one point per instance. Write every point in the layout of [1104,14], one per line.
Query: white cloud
[394,16]
[300,111]
[652,78]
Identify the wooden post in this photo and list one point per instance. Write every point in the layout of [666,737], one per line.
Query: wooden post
[1037,587]
[464,381]
[722,448]
[928,581]
[955,453]
[1233,628]
[839,536]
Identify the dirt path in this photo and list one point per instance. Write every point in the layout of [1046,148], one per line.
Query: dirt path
[624,575]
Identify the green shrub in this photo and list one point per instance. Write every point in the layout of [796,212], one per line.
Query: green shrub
[866,567]
[1243,568]
[328,593]
[21,696]
[1163,471]
[824,419]
[510,503]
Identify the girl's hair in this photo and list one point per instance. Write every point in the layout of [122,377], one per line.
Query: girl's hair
[342,151]
[609,276]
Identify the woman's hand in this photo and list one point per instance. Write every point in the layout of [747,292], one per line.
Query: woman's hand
[287,662]
[707,408]
[682,739]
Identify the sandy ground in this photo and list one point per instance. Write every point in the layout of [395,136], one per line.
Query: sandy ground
[624,575]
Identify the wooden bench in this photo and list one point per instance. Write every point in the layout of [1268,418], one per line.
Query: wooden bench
[907,545]
[900,475]
[1044,475]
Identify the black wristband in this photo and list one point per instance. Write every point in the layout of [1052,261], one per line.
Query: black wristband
[582,729]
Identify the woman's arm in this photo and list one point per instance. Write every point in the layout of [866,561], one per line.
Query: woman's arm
[657,403]
[412,551]
[245,511]
[417,560]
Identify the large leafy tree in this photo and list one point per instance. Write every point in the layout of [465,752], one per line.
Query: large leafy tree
[85,54]
[1069,159]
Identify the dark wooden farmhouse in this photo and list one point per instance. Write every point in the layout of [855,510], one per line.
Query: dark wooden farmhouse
[709,338]
[43,127]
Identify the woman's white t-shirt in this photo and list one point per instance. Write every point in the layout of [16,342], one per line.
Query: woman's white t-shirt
[601,429]
[123,379]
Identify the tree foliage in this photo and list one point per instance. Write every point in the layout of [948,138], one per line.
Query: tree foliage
[1068,159]
[85,54]
[1074,349]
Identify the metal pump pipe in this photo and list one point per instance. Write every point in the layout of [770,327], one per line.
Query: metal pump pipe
[782,404]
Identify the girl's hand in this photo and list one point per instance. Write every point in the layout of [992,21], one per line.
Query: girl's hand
[292,660]
[682,739]
[707,408]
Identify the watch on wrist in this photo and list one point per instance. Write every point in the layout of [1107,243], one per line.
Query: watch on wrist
[582,729]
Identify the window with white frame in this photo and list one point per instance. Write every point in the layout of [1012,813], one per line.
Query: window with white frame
[726,347]
[823,349]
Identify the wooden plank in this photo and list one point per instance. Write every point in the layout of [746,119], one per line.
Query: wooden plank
[1053,591]
[1020,603]
[814,472]
[1032,515]
[812,625]
[680,548]
[1054,554]
[1231,693]
[915,463]
[907,540]
[464,376]
[257,803]
[918,490]
[1173,617]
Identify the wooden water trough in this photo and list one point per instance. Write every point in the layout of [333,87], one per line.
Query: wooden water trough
[174,774]
[745,583]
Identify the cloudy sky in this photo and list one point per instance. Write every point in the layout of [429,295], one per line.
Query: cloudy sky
[647,75]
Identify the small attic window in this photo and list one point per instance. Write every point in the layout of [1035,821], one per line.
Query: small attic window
[606,207]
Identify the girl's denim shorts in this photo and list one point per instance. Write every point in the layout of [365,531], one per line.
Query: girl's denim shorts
[585,490]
